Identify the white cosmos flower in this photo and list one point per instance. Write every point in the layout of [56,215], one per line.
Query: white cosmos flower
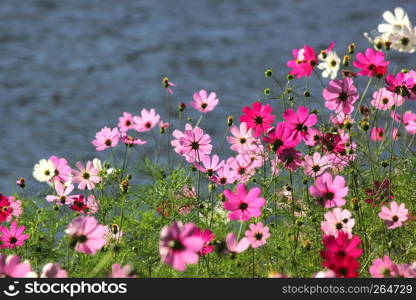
[44,170]
[96,162]
[404,40]
[394,22]
[330,64]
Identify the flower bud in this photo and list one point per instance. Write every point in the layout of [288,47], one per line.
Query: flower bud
[346,60]
[351,48]
[181,106]
[230,121]
[387,45]
[268,73]
[307,94]
[124,186]
[266,91]
[289,77]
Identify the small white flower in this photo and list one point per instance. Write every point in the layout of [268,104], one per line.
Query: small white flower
[395,22]
[44,170]
[330,64]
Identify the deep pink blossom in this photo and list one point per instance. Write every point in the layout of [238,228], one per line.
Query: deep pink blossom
[377,134]
[280,137]
[304,61]
[299,122]
[207,236]
[258,117]
[13,237]
[242,204]
[371,63]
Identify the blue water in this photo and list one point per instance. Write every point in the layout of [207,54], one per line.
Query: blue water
[68,68]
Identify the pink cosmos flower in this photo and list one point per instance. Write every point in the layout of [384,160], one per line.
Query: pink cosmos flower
[125,122]
[195,144]
[402,84]
[280,137]
[383,267]
[12,267]
[204,102]
[313,137]
[340,95]
[207,236]
[304,62]
[179,245]
[62,169]
[62,194]
[52,270]
[163,125]
[87,234]
[121,272]
[242,204]
[257,235]
[86,177]
[106,138]
[225,175]
[167,85]
[242,138]
[411,127]
[383,99]
[371,63]
[329,191]
[377,134]
[146,121]
[234,246]
[209,165]
[130,141]
[316,164]
[341,119]
[93,204]
[299,122]
[395,134]
[242,166]
[394,216]
[21,182]
[336,221]
[13,237]
[16,206]
[259,118]
[290,158]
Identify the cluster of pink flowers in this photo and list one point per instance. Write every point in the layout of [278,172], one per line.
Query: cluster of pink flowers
[386,268]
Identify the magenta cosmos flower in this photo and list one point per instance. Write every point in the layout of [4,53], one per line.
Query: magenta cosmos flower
[179,245]
[242,204]
[106,138]
[235,246]
[329,191]
[87,234]
[304,62]
[299,122]
[257,235]
[394,216]
[86,177]
[377,134]
[371,63]
[146,121]
[207,236]
[121,272]
[12,267]
[290,158]
[402,84]
[340,95]
[13,237]
[336,221]
[52,270]
[204,102]
[194,144]
[5,208]
[280,137]
[259,118]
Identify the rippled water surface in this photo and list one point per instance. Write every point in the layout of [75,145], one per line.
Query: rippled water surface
[68,68]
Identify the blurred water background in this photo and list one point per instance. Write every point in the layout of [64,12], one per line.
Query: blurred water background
[68,68]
